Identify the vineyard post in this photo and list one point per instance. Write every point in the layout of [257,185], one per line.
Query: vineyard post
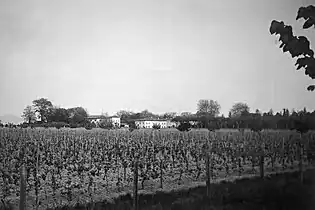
[262,156]
[310,151]
[135,187]
[23,178]
[208,173]
[36,178]
[161,173]
[22,187]
[283,153]
[208,167]
[301,158]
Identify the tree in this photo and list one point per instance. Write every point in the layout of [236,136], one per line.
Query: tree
[105,124]
[185,114]
[257,112]
[286,113]
[184,126]
[294,113]
[29,114]
[124,114]
[77,115]
[56,114]
[169,115]
[239,109]
[298,47]
[42,106]
[208,107]
[146,114]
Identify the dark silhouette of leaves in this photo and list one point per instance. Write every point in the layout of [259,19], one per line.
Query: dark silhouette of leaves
[311,88]
[297,46]
[307,13]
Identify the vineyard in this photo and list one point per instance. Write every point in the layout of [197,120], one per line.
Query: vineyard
[66,166]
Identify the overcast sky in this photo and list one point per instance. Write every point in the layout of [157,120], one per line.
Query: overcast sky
[160,55]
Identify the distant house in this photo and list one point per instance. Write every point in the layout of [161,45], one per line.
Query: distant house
[115,120]
[149,122]
[95,118]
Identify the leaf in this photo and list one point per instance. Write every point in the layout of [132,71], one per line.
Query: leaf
[311,88]
[309,23]
[301,13]
[285,48]
[274,26]
[305,12]
[299,67]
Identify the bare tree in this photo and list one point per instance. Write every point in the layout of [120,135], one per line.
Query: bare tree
[239,109]
[169,115]
[208,107]
[29,114]
[185,114]
[42,106]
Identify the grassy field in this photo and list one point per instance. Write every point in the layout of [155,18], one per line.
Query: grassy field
[66,167]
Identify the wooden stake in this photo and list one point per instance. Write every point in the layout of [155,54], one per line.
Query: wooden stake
[135,186]
[262,158]
[301,158]
[22,187]
[161,174]
[208,174]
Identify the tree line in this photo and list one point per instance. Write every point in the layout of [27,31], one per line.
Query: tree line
[240,117]
[43,113]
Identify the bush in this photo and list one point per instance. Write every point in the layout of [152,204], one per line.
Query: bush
[105,124]
[24,125]
[184,126]
[73,125]
[89,126]
[132,124]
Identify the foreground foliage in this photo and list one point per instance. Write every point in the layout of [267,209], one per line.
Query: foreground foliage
[298,46]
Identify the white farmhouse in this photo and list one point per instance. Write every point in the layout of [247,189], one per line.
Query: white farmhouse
[115,120]
[148,123]
[95,118]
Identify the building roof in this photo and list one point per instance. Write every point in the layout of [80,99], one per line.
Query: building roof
[95,117]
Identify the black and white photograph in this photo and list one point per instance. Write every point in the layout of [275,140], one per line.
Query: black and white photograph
[157,105]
